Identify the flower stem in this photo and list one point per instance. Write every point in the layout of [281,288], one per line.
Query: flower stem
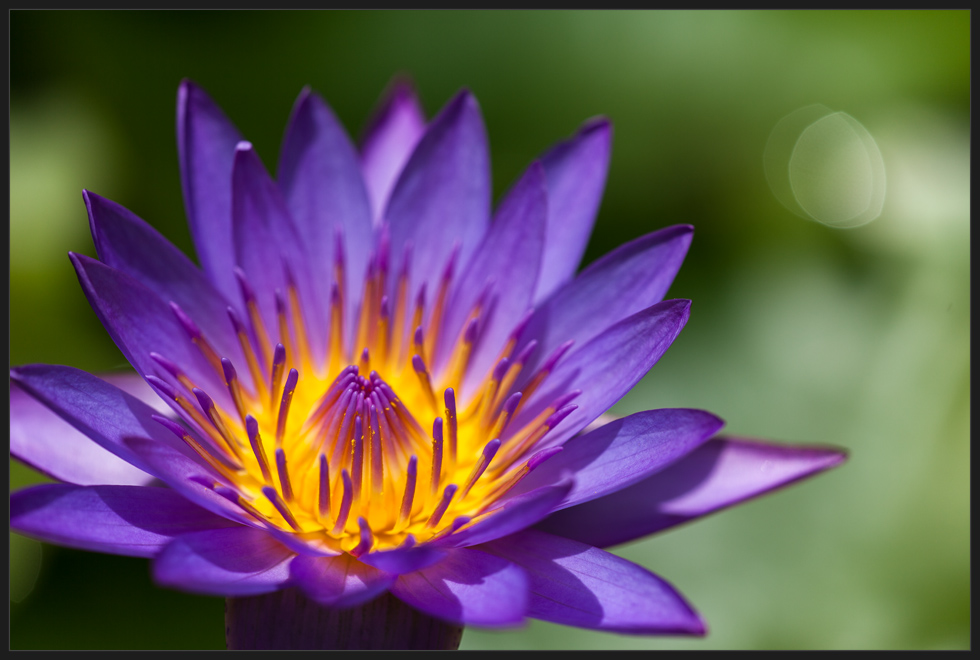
[288,620]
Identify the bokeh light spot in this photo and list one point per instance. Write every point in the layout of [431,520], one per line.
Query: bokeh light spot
[825,166]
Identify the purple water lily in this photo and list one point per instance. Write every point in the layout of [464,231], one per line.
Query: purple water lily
[371,386]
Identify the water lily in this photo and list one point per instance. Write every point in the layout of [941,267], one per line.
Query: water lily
[373,388]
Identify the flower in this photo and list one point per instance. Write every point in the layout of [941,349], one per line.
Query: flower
[369,386]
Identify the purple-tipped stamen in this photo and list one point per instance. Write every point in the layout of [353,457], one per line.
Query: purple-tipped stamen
[419,365]
[213,458]
[450,398]
[357,457]
[186,322]
[409,497]
[518,475]
[367,539]
[323,496]
[447,496]
[284,484]
[559,415]
[489,451]
[161,386]
[345,502]
[287,398]
[234,386]
[169,367]
[278,368]
[436,476]
[500,370]
[273,496]
[255,440]
[209,409]
[377,459]
[506,414]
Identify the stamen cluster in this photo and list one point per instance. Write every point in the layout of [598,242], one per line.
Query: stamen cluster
[364,449]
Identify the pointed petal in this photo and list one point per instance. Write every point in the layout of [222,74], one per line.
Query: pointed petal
[312,544]
[392,134]
[577,585]
[442,197]
[607,367]
[404,560]
[623,452]
[467,587]
[125,242]
[627,280]
[508,258]
[140,323]
[338,581]
[190,478]
[515,514]
[717,475]
[99,411]
[267,243]
[52,446]
[320,178]
[576,172]
[237,561]
[206,142]
[121,520]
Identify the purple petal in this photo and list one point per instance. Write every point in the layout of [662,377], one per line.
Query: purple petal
[238,561]
[320,178]
[392,134]
[49,444]
[607,367]
[267,243]
[442,197]
[206,142]
[122,520]
[719,474]
[312,544]
[576,172]
[141,323]
[627,280]
[623,452]
[514,515]
[191,478]
[577,585]
[128,244]
[338,581]
[404,560]
[133,384]
[468,587]
[508,259]
[99,411]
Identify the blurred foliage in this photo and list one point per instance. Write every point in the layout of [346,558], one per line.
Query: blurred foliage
[799,332]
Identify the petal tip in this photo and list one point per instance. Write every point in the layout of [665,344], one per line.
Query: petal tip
[304,102]
[699,627]
[834,455]
[403,89]
[596,125]
[463,100]
[187,90]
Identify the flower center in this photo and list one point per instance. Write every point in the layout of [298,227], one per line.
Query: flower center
[365,450]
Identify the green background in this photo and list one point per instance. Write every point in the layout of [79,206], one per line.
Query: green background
[799,332]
